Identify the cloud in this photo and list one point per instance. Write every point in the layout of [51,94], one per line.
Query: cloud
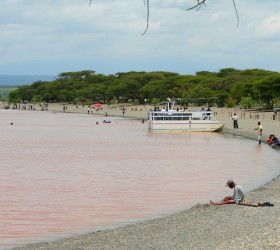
[53,36]
[268,28]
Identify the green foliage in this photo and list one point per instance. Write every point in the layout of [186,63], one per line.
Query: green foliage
[228,87]
[276,102]
[268,89]
[135,103]
[36,98]
[4,92]
[2,98]
[80,75]
[113,101]
[199,91]
[155,101]
[227,72]
[14,97]
[184,102]
[230,102]
[221,98]
[247,102]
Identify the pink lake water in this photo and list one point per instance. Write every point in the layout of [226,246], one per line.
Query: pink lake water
[62,175]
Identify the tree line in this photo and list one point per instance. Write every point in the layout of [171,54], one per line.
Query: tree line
[227,87]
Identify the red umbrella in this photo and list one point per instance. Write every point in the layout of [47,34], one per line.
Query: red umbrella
[97,105]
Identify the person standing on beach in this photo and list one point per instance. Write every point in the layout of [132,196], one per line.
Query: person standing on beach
[235,121]
[260,130]
[238,193]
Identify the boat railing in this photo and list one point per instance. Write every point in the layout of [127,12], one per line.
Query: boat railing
[181,115]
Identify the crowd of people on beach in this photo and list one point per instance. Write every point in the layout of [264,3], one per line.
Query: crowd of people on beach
[271,140]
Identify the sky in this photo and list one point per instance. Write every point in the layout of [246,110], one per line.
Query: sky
[48,37]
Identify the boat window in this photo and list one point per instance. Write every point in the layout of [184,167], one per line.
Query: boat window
[179,116]
[173,118]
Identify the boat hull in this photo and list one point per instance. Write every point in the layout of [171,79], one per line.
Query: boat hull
[193,126]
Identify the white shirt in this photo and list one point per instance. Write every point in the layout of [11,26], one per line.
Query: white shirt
[235,118]
[238,194]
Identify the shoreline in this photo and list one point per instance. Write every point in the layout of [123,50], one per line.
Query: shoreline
[202,226]
[247,119]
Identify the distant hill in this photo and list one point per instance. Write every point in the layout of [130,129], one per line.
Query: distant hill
[17,80]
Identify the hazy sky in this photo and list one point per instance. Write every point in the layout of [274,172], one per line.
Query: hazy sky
[53,36]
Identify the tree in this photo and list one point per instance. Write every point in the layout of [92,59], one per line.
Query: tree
[226,86]
[247,102]
[113,91]
[14,97]
[241,89]
[268,89]
[76,75]
[200,95]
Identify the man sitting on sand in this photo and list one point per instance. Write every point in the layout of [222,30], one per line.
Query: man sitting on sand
[238,197]
[238,193]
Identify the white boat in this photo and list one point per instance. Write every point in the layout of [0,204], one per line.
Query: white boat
[183,120]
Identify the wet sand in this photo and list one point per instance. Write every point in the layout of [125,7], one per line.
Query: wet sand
[203,226]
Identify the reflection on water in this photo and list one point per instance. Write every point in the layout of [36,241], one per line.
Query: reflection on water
[62,174]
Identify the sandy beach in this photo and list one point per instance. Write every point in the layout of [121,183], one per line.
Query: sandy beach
[203,226]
